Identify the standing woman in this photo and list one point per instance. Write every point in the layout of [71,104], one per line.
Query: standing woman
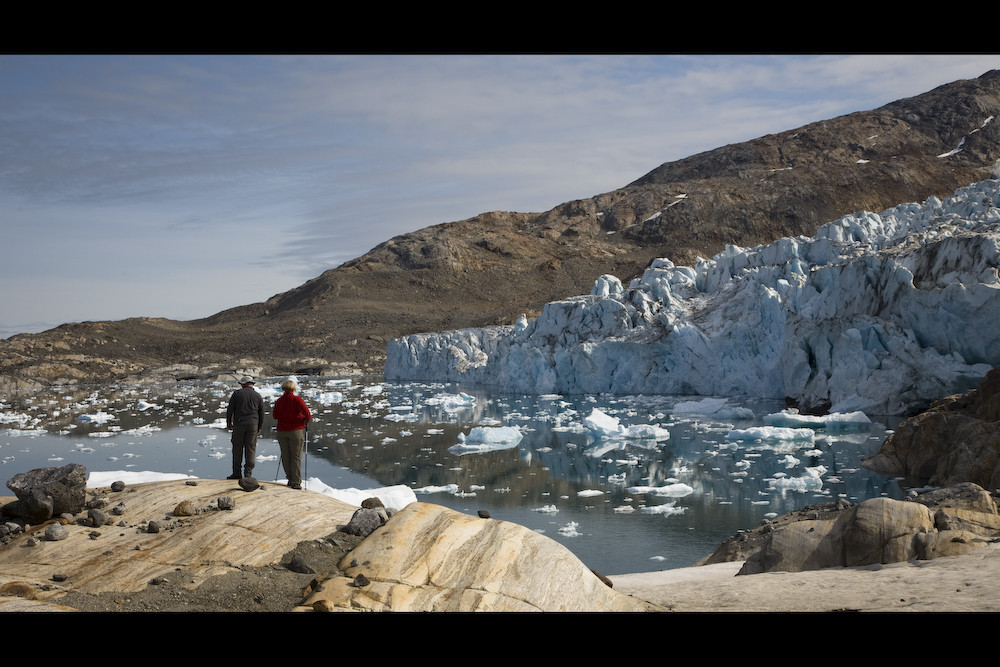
[291,414]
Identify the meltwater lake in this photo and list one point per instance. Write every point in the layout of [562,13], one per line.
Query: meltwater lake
[621,505]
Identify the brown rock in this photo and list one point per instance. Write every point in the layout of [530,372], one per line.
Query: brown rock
[185,508]
[956,440]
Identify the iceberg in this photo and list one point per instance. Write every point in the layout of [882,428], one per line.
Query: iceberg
[879,313]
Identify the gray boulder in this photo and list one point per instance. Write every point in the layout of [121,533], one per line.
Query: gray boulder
[65,486]
[364,521]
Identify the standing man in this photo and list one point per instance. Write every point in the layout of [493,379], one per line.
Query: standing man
[245,418]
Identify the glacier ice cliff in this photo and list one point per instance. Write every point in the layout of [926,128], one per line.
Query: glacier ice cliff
[880,313]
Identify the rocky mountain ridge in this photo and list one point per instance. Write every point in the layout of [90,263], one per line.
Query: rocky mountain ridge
[491,268]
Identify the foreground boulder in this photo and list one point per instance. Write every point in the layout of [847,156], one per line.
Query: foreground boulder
[46,492]
[956,440]
[431,558]
[946,522]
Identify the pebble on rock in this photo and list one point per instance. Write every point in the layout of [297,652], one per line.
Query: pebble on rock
[56,532]
[249,484]
[185,508]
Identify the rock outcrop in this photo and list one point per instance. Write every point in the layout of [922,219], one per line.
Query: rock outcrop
[430,558]
[956,440]
[424,558]
[944,522]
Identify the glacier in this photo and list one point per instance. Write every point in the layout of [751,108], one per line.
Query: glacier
[877,313]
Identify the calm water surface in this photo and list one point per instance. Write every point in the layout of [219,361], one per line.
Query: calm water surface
[558,480]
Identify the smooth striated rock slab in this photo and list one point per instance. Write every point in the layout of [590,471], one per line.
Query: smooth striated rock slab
[431,558]
[257,531]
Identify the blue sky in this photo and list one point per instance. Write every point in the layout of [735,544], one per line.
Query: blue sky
[178,186]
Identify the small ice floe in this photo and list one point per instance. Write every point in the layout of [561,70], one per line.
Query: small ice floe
[547,509]
[836,421]
[810,481]
[218,423]
[328,397]
[487,439]
[667,509]
[144,405]
[588,493]
[771,433]
[705,406]
[427,490]
[789,461]
[570,530]
[452,402]
[677,490]
[19,432]
[99,417]
[603,425]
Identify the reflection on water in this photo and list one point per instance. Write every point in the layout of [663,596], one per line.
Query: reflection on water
[593,496]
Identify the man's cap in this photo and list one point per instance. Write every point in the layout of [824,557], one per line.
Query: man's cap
[246,379]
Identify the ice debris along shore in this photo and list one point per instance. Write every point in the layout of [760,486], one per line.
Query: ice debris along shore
[394,497]
[879,313]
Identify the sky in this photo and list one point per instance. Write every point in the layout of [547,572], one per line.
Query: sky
[181,185]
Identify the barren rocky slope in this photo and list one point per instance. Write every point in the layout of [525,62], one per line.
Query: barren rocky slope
[495,266]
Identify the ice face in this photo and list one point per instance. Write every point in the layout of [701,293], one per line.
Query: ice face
[880,313]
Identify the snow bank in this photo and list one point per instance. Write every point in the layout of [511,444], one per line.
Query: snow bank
[393,497]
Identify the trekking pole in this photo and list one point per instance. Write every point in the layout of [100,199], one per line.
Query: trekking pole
[305,446]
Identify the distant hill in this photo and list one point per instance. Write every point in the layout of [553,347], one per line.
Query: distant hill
[495,266]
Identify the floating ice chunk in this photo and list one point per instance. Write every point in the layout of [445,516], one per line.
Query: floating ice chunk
[833,421]
[570,530]
[452,402]
[771,433]
[667,509]
[487,438]
[810,481]
[705,406]
[18,432]
[603,425]
[676,490]
[427,490]
[587,493]
[789,461]
[99,417]
[328,397]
